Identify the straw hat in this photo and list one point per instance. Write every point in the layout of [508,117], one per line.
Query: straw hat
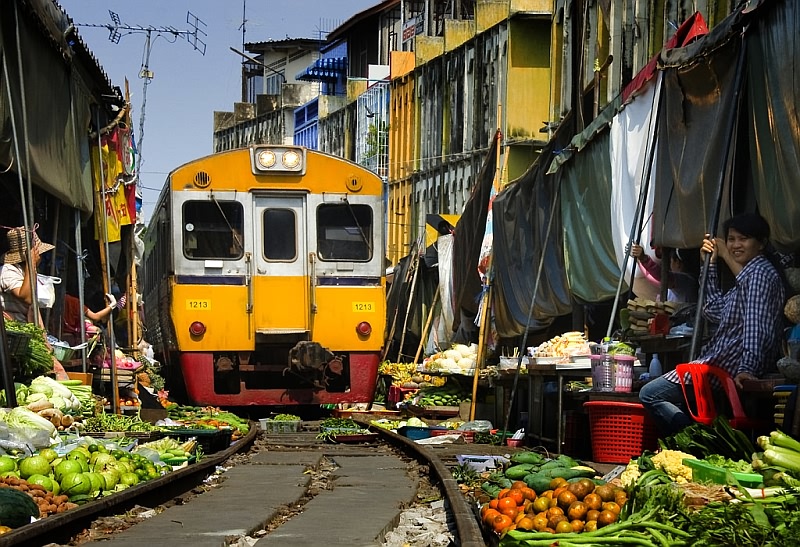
[18,244]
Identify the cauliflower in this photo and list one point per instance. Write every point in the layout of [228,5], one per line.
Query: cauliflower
[671,463]
[630,475]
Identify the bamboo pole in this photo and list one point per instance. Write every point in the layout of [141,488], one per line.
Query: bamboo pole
[486,297]
[415,266]
[427,326]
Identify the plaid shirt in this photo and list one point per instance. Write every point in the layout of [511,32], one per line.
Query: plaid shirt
[749,320]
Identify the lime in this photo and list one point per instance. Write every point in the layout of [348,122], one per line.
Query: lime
[7,463]
[34,465]
[93,448]
[129,479]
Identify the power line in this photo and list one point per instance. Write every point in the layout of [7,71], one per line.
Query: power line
[194,36]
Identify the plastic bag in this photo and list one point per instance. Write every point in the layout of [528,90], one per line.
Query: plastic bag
[480,426]
[46,290]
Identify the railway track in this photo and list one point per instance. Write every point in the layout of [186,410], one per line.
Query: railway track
[283,490]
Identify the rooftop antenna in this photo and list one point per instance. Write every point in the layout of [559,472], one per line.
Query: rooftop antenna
[194,36]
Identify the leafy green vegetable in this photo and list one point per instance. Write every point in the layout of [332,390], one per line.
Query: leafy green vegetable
[740,466]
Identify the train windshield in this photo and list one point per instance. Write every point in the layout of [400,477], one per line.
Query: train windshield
[280,235]
[344,232]
[213,230]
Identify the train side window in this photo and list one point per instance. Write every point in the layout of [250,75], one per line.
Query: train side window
[213,230]
[280,235]
[344,232]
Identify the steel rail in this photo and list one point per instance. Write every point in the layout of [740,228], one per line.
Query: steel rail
[61,527]
[467,527]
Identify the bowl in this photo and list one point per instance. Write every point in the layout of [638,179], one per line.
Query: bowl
[790,368]
[516,443]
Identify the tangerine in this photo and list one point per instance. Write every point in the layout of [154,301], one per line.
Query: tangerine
[577,510]
[541,504]
[592,514]
[529,493]
[489,516]
[593,501]
[563,527]
[526,523]
[510,511]
[493,503]
[539,523]
[566,498]
[606,517]
[556,482]
[590,526]
[612,506]
[517,495]
[501,523]
[519,485]
[506,503]
[577,525]
[503,493]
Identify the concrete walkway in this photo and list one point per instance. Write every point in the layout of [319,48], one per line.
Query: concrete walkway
[367,494]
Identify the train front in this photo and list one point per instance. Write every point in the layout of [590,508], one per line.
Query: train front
[278,292]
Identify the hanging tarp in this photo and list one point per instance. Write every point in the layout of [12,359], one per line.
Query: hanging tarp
[467,240]
[56,107]
[592,266]
[773,88]
[522,212]
[694,134]
[631,155]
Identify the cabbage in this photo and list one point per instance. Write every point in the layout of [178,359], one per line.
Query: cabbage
[416,422]
[40,389]
[56,388]
[466,363]
[455,355]
[34,397]
[466,351]
[27,426]
[448,364]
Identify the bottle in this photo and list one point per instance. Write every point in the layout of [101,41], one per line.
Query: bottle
[655,367]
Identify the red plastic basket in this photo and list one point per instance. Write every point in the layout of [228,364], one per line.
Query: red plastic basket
[620,431]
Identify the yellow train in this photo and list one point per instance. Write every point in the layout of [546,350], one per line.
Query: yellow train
[264,280]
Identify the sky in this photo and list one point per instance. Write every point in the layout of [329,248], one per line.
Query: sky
[187,86]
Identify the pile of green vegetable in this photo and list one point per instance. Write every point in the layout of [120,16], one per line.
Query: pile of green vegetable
[39,358]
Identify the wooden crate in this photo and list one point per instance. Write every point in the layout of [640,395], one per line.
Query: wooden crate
[84,377]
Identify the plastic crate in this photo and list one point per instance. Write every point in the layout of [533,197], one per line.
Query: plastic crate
[705,472]
[18,344]
[210,440]
[620,431]
[273,427]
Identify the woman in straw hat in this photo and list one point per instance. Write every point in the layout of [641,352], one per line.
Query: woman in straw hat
[16,289]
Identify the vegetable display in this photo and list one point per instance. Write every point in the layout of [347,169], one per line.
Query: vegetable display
[40,358]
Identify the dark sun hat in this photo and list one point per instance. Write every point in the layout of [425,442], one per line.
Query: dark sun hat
[18,244]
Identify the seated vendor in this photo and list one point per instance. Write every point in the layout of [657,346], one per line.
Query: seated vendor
[16,282]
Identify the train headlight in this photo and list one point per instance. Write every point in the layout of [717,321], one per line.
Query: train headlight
[364,329]
[266,158]
[291,159]
[278,159]
[197,328]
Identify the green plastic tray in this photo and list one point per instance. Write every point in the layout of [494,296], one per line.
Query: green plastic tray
[705,472]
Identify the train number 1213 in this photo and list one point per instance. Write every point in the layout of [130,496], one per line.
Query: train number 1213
[363,306]
[198,304]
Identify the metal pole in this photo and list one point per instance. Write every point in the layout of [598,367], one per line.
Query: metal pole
[79,263]
[714,221]
[639,214]
[110,330]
